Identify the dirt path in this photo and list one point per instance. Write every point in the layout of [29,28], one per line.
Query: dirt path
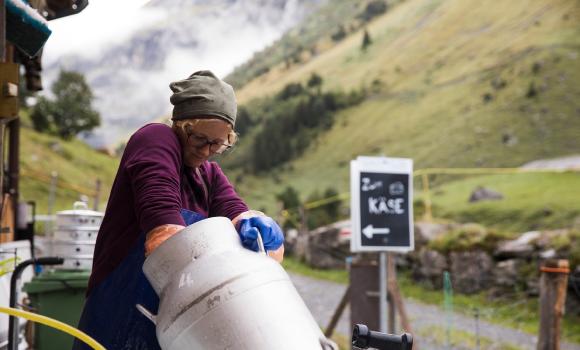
[322,297]
[562,163]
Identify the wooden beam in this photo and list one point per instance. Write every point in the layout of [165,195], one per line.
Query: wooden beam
[395,293]
[2,30]
[553,285]
[337,313]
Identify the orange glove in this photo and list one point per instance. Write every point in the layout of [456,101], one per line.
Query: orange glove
[158,235]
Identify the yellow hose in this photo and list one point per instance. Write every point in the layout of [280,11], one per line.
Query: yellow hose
[54,324]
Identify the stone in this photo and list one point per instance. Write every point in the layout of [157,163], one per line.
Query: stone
[506,273]
[548,254]
[573,296]
[431,266]
[300,246]
[522,246]
[425,232]
[471,271]
[481,194]
[328,246]
[547,237]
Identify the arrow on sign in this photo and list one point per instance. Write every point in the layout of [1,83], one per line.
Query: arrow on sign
[369,231]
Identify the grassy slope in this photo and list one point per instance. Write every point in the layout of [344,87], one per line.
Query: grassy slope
[78,166]
[531,201]
[436,60]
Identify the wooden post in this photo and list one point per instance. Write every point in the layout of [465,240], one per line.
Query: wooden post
[391,276]
[553,284]
[428,215]
[397,299]
[97,195]
[337,313]
[2,30]
[303,219]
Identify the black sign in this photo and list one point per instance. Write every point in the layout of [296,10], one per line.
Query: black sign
[384,210]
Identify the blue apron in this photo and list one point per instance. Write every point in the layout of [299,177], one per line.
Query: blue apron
[110,315]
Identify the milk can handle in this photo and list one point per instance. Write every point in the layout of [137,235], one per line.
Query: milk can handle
[261,247]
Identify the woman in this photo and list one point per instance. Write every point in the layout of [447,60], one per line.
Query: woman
[163,184]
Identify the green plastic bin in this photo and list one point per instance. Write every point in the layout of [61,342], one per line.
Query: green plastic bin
[58,294]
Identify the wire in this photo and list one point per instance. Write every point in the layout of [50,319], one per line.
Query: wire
[54,324]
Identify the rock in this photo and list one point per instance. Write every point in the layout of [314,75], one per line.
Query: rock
[427,231]
[471,271]
[300,245]
[498,83]
[432,264]
[290,240]
[523,246]
[573,295]
[533,287]
[509,139]
[487,97]
[482,193]
[506,273]
[327,247]
[547,237]
[548,254]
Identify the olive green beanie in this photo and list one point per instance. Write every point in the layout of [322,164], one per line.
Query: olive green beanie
[203,95]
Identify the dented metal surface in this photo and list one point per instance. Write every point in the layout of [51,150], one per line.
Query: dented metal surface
[214,294]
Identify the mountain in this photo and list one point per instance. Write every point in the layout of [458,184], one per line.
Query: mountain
[455,83]
[130,79]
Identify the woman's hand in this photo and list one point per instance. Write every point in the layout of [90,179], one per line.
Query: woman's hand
[271,233]
[159,235]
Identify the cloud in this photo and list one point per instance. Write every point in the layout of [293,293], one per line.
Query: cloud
[101,24]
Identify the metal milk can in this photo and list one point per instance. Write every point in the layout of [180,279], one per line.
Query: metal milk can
[215,294]
[75,236]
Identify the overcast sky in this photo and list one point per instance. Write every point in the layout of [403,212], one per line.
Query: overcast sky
[101,22]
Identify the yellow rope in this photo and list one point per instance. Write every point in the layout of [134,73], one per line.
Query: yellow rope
[54,324]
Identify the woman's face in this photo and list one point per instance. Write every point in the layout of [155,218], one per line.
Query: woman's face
[203,139]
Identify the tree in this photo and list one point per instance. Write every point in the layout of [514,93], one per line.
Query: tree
[366,40]
[290,201]
[315,80]
[373,9]
[71,112]
[339,34]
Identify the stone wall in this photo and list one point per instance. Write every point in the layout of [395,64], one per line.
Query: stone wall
[505,267]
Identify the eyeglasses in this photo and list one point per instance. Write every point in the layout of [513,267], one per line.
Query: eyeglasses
[215,147]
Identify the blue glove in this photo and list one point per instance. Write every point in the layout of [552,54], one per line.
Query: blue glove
[270,231]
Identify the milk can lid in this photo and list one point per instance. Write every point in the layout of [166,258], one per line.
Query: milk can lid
[79,209]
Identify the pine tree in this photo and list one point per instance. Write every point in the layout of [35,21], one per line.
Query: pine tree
[366,40]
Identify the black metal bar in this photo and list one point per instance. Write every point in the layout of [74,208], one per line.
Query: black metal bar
[14,166]
[363,338]
[30,227]
[13,321]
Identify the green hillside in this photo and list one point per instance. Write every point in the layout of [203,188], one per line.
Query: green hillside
[78,167]
[457,83]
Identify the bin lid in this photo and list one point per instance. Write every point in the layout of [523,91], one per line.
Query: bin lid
[50,281]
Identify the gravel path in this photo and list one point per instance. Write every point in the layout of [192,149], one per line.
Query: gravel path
[562,163]
[322,297]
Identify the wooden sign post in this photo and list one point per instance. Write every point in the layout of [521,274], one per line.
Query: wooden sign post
[553,284]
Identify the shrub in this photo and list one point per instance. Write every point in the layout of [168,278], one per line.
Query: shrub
[373,9]
[467,237]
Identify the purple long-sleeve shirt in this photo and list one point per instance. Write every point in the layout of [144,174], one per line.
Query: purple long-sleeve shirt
[151,187]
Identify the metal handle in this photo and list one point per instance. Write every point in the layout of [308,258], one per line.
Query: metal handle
[152,317]
[364,338]
[261,247]
[13,324]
